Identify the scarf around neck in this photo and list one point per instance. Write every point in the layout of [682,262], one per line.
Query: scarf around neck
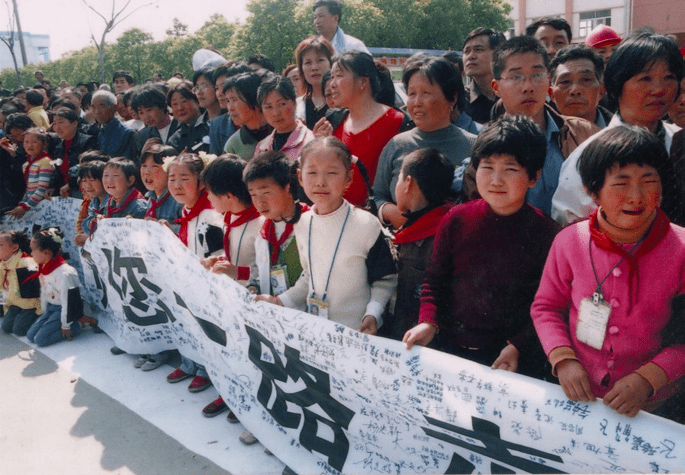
[187,215]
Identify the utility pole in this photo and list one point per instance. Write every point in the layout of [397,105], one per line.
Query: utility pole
[21,34]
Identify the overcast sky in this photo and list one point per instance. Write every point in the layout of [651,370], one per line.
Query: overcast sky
[69,22]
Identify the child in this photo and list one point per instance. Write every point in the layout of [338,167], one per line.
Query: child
[353,276]
[21,301]
[163,208]
[223,180]
[60,298]
[118,178]
[422,190]
[94,194]
[488,256]
[201,230]
[37,170]
[603,310]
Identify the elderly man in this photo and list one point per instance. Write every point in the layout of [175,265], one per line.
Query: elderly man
[114,138]
[577,84]
[327,15]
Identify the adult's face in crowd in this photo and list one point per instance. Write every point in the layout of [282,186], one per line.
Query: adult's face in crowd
[677,112]
[523,86]
[73,98]
[426,103]
[294,76]
[185,110]
[219,92]
[241,113]
[279,112]
[102,111]
[314,66]
[478,57]
[345,86]
[648,96]
[205,92]
[65,128]
[576,91]
[152,116]
[552,39]
[325,23]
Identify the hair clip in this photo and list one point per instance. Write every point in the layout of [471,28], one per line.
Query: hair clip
[52,232]
[206,158]
[167,162]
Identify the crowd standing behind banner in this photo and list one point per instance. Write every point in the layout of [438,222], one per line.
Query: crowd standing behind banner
[466,273]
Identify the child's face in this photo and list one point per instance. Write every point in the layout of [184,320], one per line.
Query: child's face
[227,203]
[92,188]
[153,175]
[324,179]
[115,182]
[183,184]
[33,145]
[271,200]
[503,183]
[41,256]
[7,249]
[629,198]
[401,193]
[279,112]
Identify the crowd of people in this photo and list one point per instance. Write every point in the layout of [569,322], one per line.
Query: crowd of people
[530,221]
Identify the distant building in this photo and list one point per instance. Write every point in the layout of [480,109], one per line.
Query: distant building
[665,16]
[37,50]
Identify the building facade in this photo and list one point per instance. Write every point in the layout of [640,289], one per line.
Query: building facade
[37,50]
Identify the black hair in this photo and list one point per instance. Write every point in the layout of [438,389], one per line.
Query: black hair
[91,169]
[438,71]
[155,148]
[124,164]
[41,133]
[621,146]
[263,61]
[34,97]
[280,84]
[49,239]
[190,160]
[207,73]
[246,86]
[92,156]
[324,80]
[330,142]
[19,238]
[495,38]
[386,91]
[333,6]
[60,103]
[637,53]
[556,23]
[87,85]
[577,51]
[225,175]
[432,173]
[360,65]
[149,96]
[516,45]
[123,74]
[517,136]
[86,100]
[18,120]
[66,113]
[129,94]
[318,44]
[275,165]
[454,57]
[185,89]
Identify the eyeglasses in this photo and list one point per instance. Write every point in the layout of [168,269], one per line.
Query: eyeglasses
[535,78]
[201,88]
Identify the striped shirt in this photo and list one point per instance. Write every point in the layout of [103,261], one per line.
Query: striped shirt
[39,175]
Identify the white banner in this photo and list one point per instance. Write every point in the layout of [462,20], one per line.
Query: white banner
[326,399]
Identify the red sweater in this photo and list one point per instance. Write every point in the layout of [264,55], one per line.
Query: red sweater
[367,145]
[483,275]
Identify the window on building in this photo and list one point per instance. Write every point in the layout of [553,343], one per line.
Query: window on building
[512,30]
[589,20]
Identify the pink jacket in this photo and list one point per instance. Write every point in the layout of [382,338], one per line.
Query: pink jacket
[297,139]
[633,331]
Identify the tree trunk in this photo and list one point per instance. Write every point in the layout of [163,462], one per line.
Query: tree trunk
[21,37]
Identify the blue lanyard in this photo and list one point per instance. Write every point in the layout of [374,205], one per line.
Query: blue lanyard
[309,251]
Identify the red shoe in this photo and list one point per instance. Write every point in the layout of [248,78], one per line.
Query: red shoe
[199,383]
[215,408]
[177,375]
[231,417]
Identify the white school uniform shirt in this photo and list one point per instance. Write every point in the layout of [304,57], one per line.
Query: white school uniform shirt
[54,289]
[242,251]
[208,223]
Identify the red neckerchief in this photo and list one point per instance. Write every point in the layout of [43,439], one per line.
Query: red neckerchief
[64,167]
[45,269]
[268,233]
[5,280]
[425,226]
[30,161]
[133,195]
[655,235]
[155,204]
[244,216]
[200,205]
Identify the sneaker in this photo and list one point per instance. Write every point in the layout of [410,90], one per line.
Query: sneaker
[177,375]
[231,417]
[215,408]
[199,383]
[115,350]
[247,438]
[142,359]
[153,362]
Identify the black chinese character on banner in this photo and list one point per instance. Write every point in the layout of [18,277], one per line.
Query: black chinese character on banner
[317,391]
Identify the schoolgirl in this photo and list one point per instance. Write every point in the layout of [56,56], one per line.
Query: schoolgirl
[21,301]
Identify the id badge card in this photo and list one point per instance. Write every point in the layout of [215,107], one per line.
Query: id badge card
[279,279]
[3,298]
[593,317]
[317,307]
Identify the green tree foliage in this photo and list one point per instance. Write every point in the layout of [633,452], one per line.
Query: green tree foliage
[275,28]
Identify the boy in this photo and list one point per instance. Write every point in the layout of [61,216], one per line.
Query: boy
[223,180]
[36,111]
[422,190]
[488,257]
